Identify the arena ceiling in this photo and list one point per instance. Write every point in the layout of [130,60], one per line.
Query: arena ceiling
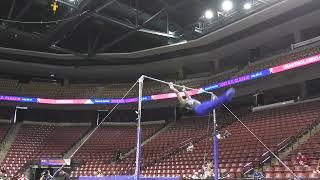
[89,27]
[28,51]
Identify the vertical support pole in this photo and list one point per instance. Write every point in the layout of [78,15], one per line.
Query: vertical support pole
[138,152]
[11,9]
[175,114]
[215,143]
[98,118]
[167,24]
[137,13]
[15,116]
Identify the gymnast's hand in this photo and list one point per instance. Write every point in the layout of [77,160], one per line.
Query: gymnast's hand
[171,85]
[230,94]
[183,88]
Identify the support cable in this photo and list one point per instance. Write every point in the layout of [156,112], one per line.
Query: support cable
[262,143]
[96,128]
[255,136]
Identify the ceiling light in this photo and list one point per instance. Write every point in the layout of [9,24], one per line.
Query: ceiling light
[227,5]
[247,5]
[208,14]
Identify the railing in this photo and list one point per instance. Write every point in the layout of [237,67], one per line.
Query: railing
[289,141]
[249,166]
[267,157]
[284,144]
[304,43]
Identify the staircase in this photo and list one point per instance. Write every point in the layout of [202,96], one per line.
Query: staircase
[304,137]
[301,140]
[8,140]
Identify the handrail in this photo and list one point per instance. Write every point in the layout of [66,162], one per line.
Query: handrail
[304,43]
[284,140]
[290,140]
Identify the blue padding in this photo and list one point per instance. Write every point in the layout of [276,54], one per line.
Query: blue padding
[208,106]
[126,178]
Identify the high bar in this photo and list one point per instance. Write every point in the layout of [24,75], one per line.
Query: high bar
[177,85]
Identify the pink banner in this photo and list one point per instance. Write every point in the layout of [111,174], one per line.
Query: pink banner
[163,96]
[173,95]
[64,101]
[295,64]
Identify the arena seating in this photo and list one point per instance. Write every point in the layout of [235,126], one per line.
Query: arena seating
[239,150]
[165,154]
[176,136]
[100,149]
[4,127]
[117,90]
[283,59]
[40,141]
[77,91]
[8,87]
[44,90]
[310,149]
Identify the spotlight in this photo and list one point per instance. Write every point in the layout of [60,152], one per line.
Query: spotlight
[247,5]
[208,14]
[227,5]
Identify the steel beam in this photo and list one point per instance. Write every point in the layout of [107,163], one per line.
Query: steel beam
[128,26]
[106,4]
[59,31]
[132,29]
[112,20]
[166,8]
[67,51]
[24,10]
[107,46]
[137,12]
[154,16]
[11,9]
[92,51]
[149,31]
[68,4]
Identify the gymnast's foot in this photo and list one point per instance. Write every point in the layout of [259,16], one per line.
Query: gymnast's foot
[230,93]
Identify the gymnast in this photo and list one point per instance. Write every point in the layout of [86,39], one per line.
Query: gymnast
[192,105]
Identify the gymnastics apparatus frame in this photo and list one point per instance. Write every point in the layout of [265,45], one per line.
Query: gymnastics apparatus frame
[138,151]
[137,173]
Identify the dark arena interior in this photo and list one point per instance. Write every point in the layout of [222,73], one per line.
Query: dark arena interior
[159,89]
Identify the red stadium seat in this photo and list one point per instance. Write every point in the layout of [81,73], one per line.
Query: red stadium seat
[278,175]
[314,175]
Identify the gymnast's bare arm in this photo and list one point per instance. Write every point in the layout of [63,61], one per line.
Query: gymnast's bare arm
[186,93]
[180,99]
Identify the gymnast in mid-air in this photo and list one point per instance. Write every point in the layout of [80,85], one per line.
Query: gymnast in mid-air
[189,104]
